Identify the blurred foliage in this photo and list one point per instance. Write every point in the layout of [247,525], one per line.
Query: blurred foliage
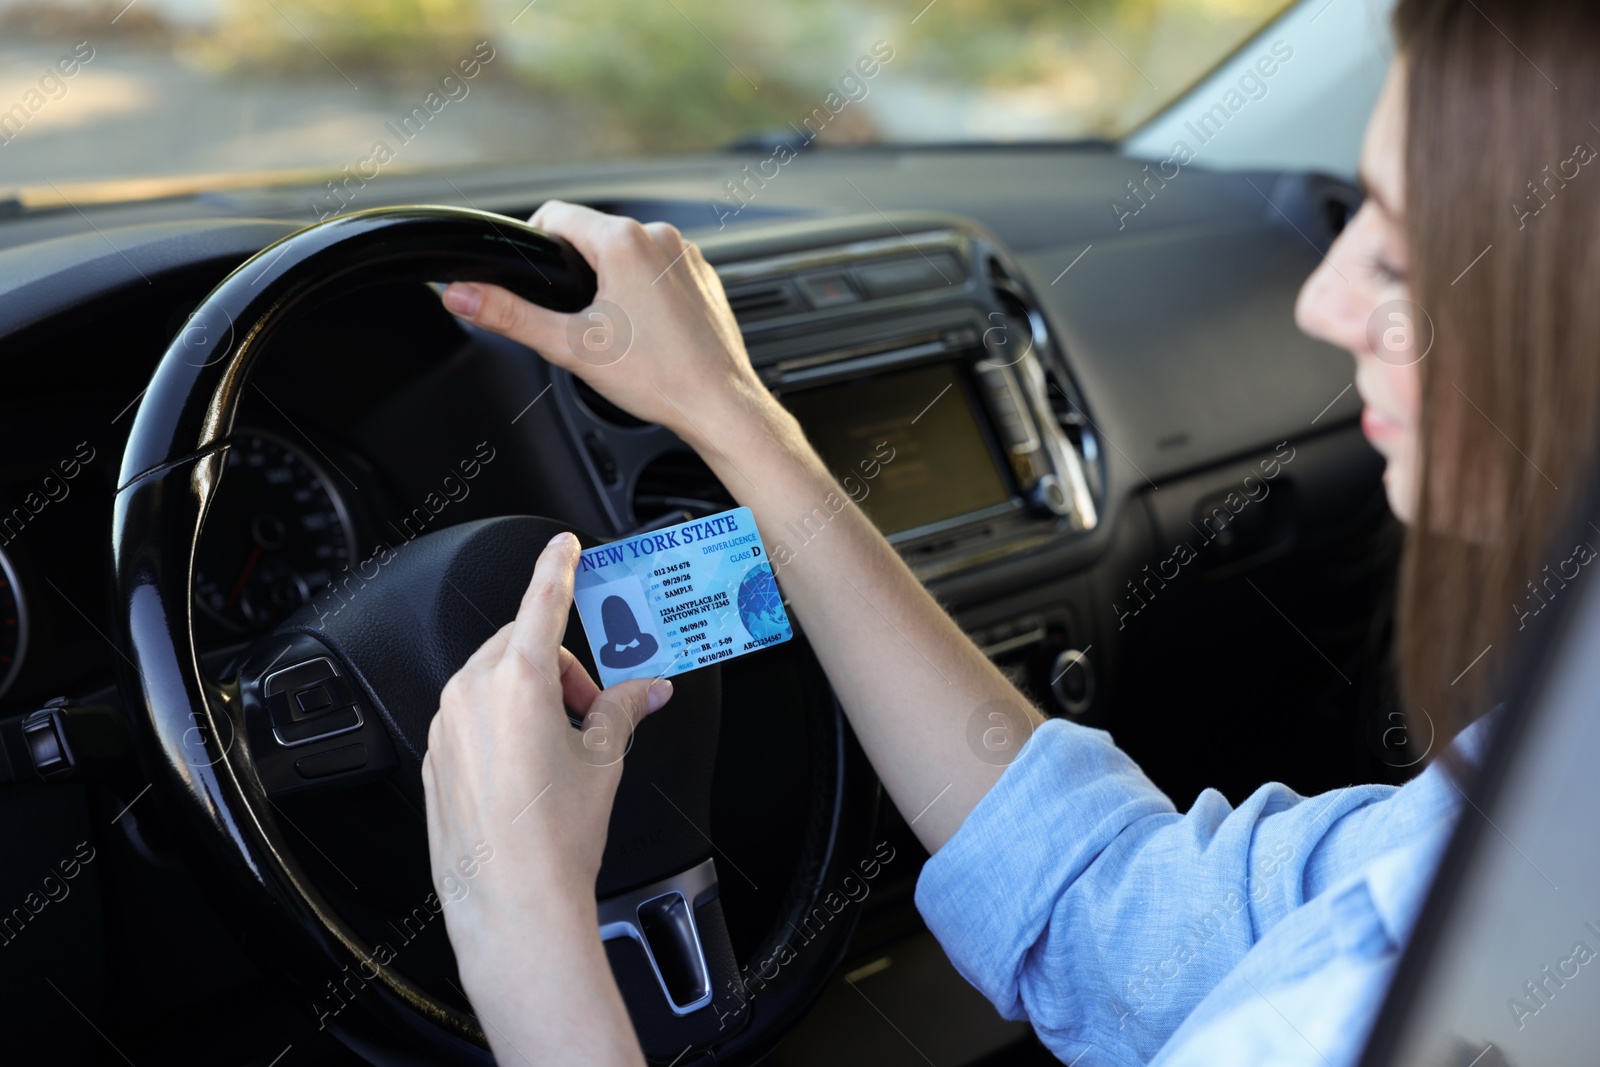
[687,74]
[396,37]
[56,21]
[1112,62]
[684,73]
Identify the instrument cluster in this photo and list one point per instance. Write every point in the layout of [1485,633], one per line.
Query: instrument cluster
[279,531]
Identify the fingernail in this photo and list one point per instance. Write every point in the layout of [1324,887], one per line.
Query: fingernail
[660,692]
[562,537]
[463,298]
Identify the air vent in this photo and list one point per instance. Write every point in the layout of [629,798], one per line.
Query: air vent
[1019,336]
[764,300]
[1063,461]
[1068,412]
[677,481]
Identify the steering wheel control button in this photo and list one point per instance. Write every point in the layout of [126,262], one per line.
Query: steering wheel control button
[313,700]
[310,701]
[298,733]
[333,761]
[309,726]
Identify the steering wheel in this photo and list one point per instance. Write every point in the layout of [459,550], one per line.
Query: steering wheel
[327,716]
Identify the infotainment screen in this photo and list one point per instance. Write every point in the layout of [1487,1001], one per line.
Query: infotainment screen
[941,466]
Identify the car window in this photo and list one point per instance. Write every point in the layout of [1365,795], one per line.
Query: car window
[113,89]
[1506,965]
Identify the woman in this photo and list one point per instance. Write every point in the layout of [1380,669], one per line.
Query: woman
[1067,888]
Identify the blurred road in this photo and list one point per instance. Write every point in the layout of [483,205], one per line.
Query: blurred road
[133,113]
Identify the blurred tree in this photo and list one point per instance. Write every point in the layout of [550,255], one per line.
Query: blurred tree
[1111,62]
[397,37]
[683,75]
[687,74]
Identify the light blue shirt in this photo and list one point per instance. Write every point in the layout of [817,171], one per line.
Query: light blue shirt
[1075,896]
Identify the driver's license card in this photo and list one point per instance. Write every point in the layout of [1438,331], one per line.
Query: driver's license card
[664,602]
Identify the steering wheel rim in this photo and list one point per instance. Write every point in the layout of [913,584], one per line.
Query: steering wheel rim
[188,725]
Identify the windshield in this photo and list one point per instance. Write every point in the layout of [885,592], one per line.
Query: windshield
[222,92]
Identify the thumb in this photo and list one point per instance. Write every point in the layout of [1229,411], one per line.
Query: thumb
[606,731]
[638,696]
[504,312]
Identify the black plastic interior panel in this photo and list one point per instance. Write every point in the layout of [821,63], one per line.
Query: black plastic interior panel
[1185,344]
[75,266]
[1032,196]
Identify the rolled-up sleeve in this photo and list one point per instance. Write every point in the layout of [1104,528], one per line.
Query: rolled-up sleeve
[1076,896]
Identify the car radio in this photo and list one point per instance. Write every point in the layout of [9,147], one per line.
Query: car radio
[919,361]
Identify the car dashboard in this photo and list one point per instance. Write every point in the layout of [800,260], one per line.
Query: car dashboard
[1103,446]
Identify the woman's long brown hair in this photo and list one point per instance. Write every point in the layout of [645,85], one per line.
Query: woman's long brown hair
[1503,217]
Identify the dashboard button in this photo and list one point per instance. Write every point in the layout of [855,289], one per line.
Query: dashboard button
[893,277]
[47,744]
[828,290]
[1072,682]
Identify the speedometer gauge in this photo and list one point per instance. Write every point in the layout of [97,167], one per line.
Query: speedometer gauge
[13,624]
[276,534]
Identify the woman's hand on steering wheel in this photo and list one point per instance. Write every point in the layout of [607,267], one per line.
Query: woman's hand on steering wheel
[517,805]
[659,341]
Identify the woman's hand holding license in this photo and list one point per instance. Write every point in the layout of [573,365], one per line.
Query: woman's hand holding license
[518,802]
